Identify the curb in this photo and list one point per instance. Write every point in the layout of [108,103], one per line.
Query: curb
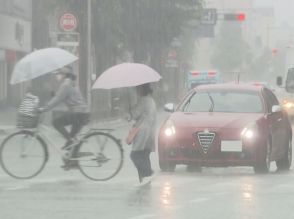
[111,124]
[117,123]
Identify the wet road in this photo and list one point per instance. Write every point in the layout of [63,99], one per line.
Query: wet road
[214,193]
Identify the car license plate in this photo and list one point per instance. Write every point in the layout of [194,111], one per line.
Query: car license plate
[231,146]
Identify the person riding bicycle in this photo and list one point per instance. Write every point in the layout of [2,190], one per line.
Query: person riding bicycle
[78,111]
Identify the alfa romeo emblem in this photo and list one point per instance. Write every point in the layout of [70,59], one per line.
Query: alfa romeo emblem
[206,131]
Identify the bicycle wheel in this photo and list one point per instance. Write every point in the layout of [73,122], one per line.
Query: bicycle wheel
[23,155]
[100,156]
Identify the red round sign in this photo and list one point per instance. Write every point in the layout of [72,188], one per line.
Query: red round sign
[68,22]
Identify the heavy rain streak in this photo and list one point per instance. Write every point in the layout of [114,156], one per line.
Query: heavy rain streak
[146,109]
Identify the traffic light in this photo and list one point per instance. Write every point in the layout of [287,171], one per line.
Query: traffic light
[235,17]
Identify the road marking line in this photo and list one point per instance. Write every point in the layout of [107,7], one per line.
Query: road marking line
[143,216]
[14,188]
[199,200]
[30,183]
[121,181]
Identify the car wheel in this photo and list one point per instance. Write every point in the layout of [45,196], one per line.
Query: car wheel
[167,166]
[263,166]
[194,168]
[286,161]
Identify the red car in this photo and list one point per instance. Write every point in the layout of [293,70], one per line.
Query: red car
[226,125]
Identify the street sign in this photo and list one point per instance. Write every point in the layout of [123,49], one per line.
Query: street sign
[209,16]
[69,41]
[68,22]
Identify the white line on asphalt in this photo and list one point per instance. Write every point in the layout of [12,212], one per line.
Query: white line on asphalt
[27,184]
[20,187]
[219,193]
[143,216]
[197,200]
[127,181]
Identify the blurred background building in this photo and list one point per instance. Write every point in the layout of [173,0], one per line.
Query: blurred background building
[172,38]
[15,42]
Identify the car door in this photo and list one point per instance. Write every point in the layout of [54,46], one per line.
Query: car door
[277,124]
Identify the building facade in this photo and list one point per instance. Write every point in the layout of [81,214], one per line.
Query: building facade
[15,42]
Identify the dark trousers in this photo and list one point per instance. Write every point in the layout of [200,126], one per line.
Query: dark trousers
[75,120]
[141,160]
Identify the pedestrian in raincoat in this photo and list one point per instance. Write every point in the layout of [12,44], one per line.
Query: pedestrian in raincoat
[143,144]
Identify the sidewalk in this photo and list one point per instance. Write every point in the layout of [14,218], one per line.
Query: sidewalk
[8,117]
[8,121]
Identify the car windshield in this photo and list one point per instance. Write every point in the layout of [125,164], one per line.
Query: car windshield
[223,101]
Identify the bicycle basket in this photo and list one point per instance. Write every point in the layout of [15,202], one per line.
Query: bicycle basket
[27,112]
[25,121]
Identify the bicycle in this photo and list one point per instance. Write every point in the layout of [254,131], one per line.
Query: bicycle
[24,153]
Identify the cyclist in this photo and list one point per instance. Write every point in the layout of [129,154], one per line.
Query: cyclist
[78,111]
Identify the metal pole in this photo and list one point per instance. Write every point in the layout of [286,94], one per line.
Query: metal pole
[89,56]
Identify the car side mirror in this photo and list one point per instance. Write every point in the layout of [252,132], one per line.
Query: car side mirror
[279,81]
[276,108]
[169,107]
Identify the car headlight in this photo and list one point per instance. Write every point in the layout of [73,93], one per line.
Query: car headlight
[288,105]
[169,128]
[250,131]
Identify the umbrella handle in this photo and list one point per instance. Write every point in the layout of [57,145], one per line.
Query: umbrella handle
[130,106]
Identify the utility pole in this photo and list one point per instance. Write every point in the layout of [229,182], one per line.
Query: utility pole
[89,53]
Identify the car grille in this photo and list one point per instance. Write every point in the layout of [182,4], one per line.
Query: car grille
[205,140]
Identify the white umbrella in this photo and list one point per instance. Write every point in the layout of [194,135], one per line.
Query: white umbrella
[41,62]
[126,75]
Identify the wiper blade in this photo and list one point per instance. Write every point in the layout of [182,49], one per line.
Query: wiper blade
[187,104]
[211,101]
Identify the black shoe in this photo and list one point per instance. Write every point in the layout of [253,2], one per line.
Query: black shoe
[72,164]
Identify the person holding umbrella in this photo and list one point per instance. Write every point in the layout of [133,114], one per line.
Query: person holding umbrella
[144,115]
[47,61]
[78,111]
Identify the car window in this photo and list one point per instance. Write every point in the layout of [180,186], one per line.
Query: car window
[224,101]
[199,102]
